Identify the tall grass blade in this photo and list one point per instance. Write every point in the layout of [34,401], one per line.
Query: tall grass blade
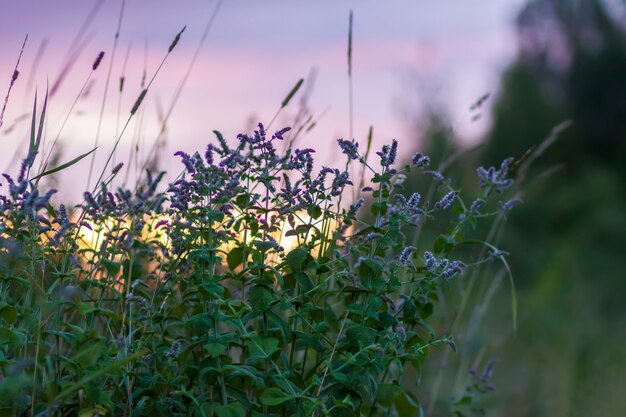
[65,165]
[31,145]
[350,44]
[41,120]
[14,76]
[291,93]
[176,39]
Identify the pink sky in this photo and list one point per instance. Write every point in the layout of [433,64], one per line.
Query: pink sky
[404,52]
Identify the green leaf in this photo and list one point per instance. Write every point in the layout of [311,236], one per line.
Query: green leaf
[295,259]
[274,396]
[263,246]
[214,349]
[379,209]
[203,321]
[387,393]
[369,268]
[375,266]
[92,411]
[245,371]
[304,281]
[8,336]
[443,244]
[260,298]
[65,165]
[303,229]
[409,309]
[215,216]
[406,405]
[314,211]
[209,291]
[8,313]
[234,258]
[230,410]
[262,348]
[84,308]
[361,334]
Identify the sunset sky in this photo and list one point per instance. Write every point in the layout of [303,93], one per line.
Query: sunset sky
[406,55]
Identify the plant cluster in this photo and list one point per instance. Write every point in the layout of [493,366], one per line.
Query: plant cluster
[246,287]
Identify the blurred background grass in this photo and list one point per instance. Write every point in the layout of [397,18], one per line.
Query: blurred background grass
[567,240]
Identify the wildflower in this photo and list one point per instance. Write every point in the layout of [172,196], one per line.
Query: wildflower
[507,206]
[371,236]
[303,161]
[279,133]
[399,181]
[91,200]
[357,205]
[174,350]
[413,204]
[208,155]
[430,261]
[186,161]
[455,267]
[443,263]
[225,149]
[349,148]
[401,200]
[62,213]
[20,188]
[405,255]
[488,370]
[132,298]
[435,174]
[497,253]
[446,201]
[359,261]
[476,205]
[420,160]
[495,178]
[289,192]
[388,154]
[401,332]
[340,181]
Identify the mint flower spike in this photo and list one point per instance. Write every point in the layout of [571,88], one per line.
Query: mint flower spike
[388,154]
[496,178]
[405,255]
[446,201]
[420,160]
[349,148]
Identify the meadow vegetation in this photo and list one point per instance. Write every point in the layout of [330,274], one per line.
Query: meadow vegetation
[255,283]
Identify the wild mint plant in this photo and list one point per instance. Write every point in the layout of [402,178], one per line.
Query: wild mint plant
[246,287]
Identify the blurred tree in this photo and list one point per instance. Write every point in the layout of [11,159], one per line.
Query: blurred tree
[566,241]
